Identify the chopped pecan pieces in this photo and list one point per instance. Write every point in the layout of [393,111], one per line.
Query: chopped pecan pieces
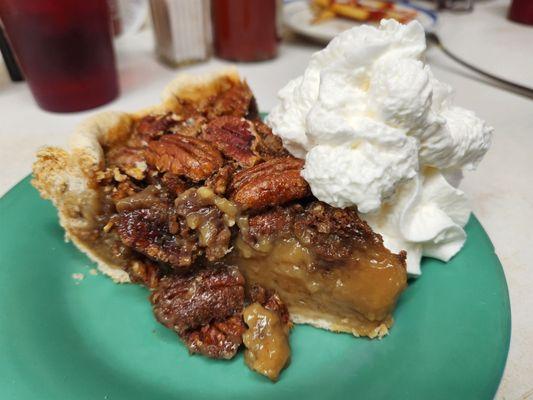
[173,183]
[204,308]
[148,231]
[124,189]
[185,156]
[220,180]
[128,159]
[332,233]
[217,339]
[198,208]
[191,126]
[268,145]
[237,101]
[145,273]
[271,183]
[146,198]
[275,222]
[271,301]
[154,125]
[233,137]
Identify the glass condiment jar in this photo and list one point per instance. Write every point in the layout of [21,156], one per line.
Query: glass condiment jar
[182,30]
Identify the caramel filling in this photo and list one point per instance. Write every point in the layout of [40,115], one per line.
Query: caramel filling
[357,297]
[266,341]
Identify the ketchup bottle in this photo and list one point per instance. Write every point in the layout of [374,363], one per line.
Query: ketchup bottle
[245,30]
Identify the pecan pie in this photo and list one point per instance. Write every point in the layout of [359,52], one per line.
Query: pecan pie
[197,200]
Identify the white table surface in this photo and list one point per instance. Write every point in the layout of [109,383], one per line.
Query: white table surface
[501,190]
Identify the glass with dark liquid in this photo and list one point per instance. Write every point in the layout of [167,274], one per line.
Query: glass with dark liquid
[245,30]
[65,51]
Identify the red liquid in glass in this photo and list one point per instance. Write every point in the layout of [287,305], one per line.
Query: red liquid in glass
[65,50]
[521,11]
[245,30]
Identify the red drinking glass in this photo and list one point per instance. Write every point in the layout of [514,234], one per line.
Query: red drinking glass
[521,11]
[65,51]
[245,30]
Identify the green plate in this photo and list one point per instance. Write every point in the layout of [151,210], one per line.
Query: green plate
[61,338]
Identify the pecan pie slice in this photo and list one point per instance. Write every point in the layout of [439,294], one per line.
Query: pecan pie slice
[197,200]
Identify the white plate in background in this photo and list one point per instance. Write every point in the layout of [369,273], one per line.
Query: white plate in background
[297,16]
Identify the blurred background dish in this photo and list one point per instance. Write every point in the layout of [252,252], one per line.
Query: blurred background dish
[300,17]
[360,10]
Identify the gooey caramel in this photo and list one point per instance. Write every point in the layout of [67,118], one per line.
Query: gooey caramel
[357,297]
[266,341]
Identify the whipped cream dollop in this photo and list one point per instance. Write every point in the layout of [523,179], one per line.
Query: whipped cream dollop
[379,132]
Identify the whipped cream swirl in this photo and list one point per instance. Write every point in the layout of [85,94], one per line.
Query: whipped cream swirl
[378,131]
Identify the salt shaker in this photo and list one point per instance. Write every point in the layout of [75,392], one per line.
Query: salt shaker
[182,30]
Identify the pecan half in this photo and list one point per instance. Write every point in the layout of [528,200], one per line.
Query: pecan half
[188,302]
[233,137]
[185,156]
[271,183]
[152,232]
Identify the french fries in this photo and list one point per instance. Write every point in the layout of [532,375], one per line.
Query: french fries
[358,10]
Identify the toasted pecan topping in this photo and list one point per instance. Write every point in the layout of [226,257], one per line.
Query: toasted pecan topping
[207,216]
[155,125]
[125,157]
[204,307]
[271,183]
[271,301]
[237,101]
[268,145]
[220,180]
[186,156]
[153,232]
[144,273]
[276,221]
[332,233]
[233,137]
[185,302]
[173,183]
[217,339]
